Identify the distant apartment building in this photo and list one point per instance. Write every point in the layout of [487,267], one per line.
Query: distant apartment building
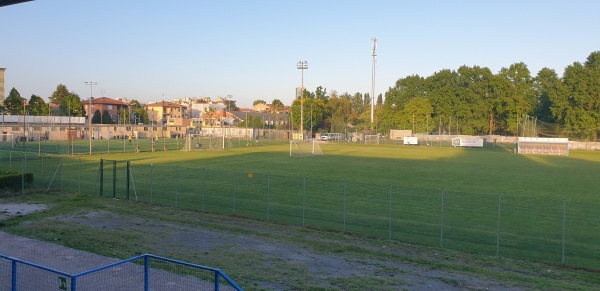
[165,112]
[2,84]
[104,103]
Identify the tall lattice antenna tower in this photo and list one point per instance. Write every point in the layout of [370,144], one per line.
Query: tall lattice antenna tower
[373,80]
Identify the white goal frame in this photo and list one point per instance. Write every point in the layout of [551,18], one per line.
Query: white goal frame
[304,148]
[6,138]
[372,139]
[195,141]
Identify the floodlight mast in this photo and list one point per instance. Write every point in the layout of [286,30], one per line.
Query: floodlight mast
[373,80]
[302,65]
[91,84]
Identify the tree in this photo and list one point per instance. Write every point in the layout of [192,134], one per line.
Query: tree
[14,103]
[518,97]
[277,105]
[96,118]
[106,118]
[71,106]
[37,106]
[256,102]
[547,85]
[59,95]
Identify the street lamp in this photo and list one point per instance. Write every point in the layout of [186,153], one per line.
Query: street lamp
[91,84]
[302,65]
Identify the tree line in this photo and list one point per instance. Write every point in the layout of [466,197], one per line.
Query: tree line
[471,101]
[468,100]
[65,103]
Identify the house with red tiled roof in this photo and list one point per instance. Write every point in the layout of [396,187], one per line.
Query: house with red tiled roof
[104,103]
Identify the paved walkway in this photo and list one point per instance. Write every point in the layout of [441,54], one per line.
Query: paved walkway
[128,276]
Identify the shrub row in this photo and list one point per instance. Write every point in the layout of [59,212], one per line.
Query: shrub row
[12,179]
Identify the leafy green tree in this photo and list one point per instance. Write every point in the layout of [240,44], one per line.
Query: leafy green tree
[71,105]
[14,103]
[59,95]
[37,106]
[416,114]
[518,96]
[123,116]
[106,118]
[96,118]
[256,102]
[578,107]
[277,105]
[548,85]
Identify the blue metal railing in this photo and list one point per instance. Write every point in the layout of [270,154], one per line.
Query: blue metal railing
[73,278]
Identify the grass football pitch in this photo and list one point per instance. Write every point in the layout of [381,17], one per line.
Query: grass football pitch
[485,200]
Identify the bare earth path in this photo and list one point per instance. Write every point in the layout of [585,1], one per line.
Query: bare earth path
[188,239]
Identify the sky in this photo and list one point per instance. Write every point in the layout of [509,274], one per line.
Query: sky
[161,50]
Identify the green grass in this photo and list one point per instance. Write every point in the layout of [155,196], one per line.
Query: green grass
[350,189]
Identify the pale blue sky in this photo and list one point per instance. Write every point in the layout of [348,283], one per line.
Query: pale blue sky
[249,49]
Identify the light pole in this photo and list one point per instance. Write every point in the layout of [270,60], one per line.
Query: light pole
[373,81]
[91,84]
[302,65]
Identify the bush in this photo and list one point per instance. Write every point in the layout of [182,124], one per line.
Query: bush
[12,179]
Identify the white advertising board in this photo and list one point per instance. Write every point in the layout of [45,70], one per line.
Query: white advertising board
[472,142]
[411,140]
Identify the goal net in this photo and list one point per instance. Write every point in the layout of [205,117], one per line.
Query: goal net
[200,142]
[304,148]
[7,141]
[371,139]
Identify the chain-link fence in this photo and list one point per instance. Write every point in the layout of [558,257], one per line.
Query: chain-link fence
[549,229]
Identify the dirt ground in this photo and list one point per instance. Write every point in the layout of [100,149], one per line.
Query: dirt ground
[177,238]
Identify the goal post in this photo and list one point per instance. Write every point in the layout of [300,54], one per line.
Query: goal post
[7,140]
[304,148]
[371,139]
[200,141]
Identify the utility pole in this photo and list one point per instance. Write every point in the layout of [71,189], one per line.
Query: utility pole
[91,84]
[373,81]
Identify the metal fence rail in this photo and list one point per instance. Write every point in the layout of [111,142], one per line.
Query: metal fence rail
[143,272]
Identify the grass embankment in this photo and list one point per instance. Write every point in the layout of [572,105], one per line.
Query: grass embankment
[259,254]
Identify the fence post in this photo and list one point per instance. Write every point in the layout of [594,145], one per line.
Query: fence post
[268,196]
[60,168]
[564,228]
[234,191]
[151,178]
[79,176]
[146,271]
[200,189]
[498,230]
[14,275]
[390,225]
[114,181]
[442,223]
[101,177]
[177,188]
[128,175]
[23,177]
[303,199]
[345,205]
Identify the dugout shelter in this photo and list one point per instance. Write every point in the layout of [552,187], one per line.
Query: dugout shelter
[543,146]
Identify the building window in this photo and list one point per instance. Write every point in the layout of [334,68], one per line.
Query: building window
[109,107]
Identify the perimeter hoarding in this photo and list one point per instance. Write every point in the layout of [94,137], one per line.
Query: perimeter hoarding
[471,142]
